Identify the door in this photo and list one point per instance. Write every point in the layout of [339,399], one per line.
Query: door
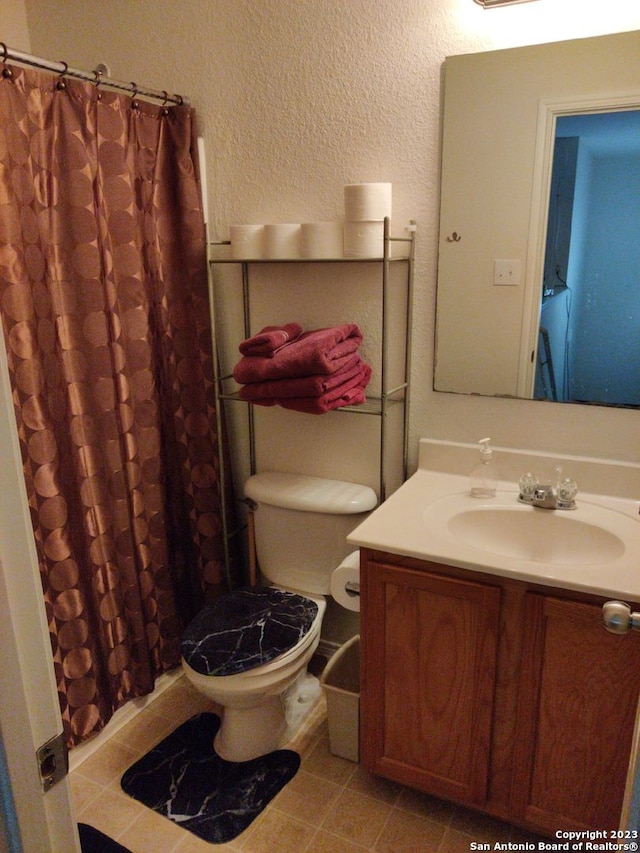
[619,619]
[429,664]
[30,819]
[576,717]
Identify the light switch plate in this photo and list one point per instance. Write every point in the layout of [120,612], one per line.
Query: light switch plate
[506,272]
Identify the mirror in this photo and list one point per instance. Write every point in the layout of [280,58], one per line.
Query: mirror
[527,174]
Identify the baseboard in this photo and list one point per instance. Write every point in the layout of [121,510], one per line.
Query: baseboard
[122,716]
[327,648]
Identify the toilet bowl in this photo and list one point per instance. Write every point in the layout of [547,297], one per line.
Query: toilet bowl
[254,721]
[249,651]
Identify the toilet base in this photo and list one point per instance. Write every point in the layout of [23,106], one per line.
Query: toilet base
[247,733]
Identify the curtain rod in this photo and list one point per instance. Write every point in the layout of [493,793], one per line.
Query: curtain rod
[97,76]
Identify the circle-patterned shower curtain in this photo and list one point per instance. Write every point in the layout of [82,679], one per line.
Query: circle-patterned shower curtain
[104,304]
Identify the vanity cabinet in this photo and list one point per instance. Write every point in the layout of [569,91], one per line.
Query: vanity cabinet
[495,693]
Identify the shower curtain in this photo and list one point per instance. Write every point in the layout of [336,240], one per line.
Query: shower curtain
[104,305]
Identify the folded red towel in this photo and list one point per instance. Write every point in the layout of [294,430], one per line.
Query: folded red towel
[321,351]
[270,339]
[349,393]
[303,386]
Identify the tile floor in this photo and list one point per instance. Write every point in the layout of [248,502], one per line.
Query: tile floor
[331,806]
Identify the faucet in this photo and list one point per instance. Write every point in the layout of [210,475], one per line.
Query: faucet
[543,495]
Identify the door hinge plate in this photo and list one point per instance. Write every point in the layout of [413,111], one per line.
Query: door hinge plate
[53,761]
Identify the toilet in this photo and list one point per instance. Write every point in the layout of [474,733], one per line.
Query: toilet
[249,650]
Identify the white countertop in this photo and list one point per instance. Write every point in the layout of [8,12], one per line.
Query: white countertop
[400,525]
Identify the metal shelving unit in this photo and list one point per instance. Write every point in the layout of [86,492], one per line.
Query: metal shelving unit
[374,406]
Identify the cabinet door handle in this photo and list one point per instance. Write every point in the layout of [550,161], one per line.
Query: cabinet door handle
[618,618]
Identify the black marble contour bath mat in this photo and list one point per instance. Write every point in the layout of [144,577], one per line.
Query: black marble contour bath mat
[94,841]
[183,779]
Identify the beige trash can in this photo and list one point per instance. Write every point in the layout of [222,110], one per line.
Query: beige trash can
[341,683]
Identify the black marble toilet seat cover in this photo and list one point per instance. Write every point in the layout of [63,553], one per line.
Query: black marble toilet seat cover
[246,629]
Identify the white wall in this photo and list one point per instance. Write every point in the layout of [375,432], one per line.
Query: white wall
[297,97]
[13,24]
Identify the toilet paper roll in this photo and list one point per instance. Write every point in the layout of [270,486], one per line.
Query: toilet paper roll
[246,241]
[345,582]
[363,239]
[367,202]
[282,240]
[322,239]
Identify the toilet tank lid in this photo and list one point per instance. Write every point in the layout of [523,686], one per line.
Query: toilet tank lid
[309,494]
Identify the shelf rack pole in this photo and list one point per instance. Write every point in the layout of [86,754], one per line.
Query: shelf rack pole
[226,535]
[247,334]
[407,349]
[384,362]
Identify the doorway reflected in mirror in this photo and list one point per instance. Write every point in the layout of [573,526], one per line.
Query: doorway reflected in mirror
[589,336]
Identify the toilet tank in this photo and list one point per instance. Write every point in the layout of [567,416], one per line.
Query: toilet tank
[301,524]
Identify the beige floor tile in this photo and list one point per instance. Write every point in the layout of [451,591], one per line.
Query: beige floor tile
[480,826]
[424,804]
[190,843]
[307,797]
[455,842]
[274,831]
[374,786]
[83,790]
[111,813]
[326,842]
[321,762]
[181,701]
[151,833]
[357,818]
[145,731]
[108,763]
[409,833]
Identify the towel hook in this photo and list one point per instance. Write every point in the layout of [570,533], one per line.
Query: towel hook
[455,238]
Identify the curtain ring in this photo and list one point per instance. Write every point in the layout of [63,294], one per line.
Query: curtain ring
[164,110]
[61,84]
[134,103]
[97,80]
[7,72]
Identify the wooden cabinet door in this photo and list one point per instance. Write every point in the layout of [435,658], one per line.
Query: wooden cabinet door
[428,645]
[576,715]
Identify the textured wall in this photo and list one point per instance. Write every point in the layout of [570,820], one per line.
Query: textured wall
[297,97]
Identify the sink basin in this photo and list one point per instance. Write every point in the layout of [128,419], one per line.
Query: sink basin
[537,535]
[590,535]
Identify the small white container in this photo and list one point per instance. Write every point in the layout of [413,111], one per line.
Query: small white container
[341,683]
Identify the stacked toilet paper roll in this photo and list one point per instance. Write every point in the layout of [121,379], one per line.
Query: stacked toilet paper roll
[282,240]
[247,241]
[365,208]
[321,240]
[345,582]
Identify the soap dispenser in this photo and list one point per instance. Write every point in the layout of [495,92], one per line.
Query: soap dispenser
[483,477]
